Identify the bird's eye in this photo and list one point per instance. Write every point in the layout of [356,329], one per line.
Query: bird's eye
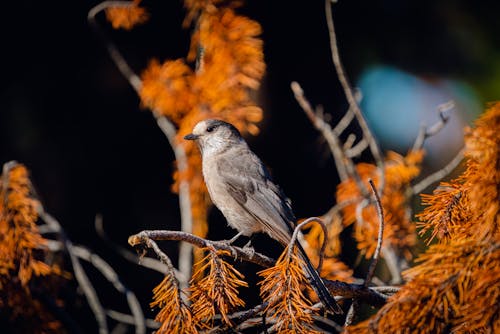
[211,128]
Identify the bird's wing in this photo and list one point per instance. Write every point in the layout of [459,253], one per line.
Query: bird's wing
[250,184]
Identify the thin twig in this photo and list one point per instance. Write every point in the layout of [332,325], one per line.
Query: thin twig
[380,237]
[426,132]
[129,319]
[113,51]
[438,175]
[347,118]
[80,275]
[143,261]
[296,233]
[167,127]
[240,253]
[325,129]
[353,103]
[357,149]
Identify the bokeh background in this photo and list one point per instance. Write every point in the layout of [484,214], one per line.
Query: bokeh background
[73,120]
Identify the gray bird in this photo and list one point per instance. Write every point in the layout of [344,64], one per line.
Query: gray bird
[242,189]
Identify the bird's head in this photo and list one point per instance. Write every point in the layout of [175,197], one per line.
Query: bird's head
[213,135]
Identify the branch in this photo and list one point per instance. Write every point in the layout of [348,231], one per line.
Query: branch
[358,291]
[129,319]
[109,273]
[376,254]
[438,175]
[244,254]
[426,132]
[353,104]
[144,261]
[344,164]
[113,51]
[325,129]
[80,275]
[296,233]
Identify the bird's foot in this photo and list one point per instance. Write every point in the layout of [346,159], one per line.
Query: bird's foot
[248,248]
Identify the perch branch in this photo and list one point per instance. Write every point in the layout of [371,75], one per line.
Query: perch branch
[241,253]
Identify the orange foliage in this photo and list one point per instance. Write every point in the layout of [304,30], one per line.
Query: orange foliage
[126,16]
[217,291]
[456,286]
[399,232]
[174,316]
[22,250]
[282,289]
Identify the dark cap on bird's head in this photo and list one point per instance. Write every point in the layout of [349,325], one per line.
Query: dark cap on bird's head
[209,126]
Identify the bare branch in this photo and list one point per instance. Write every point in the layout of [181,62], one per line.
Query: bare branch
[80,275]
[380,237]
[296,233]
[109,273]
[242,253]
[113,51]
[353,104]
[144,261]
[129,319]
[426,132]
[358,149]
[347,118]
[325,129]
[438,175]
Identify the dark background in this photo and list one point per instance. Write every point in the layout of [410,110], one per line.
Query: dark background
[73,120]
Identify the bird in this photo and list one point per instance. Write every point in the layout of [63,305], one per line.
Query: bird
[241,187]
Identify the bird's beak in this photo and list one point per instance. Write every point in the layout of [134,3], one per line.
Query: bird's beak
[191,137]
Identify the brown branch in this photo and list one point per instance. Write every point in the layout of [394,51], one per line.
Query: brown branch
[353,104]
[242,253]
[380,237]
[358,291]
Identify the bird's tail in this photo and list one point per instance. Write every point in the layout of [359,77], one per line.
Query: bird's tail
[317,284]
